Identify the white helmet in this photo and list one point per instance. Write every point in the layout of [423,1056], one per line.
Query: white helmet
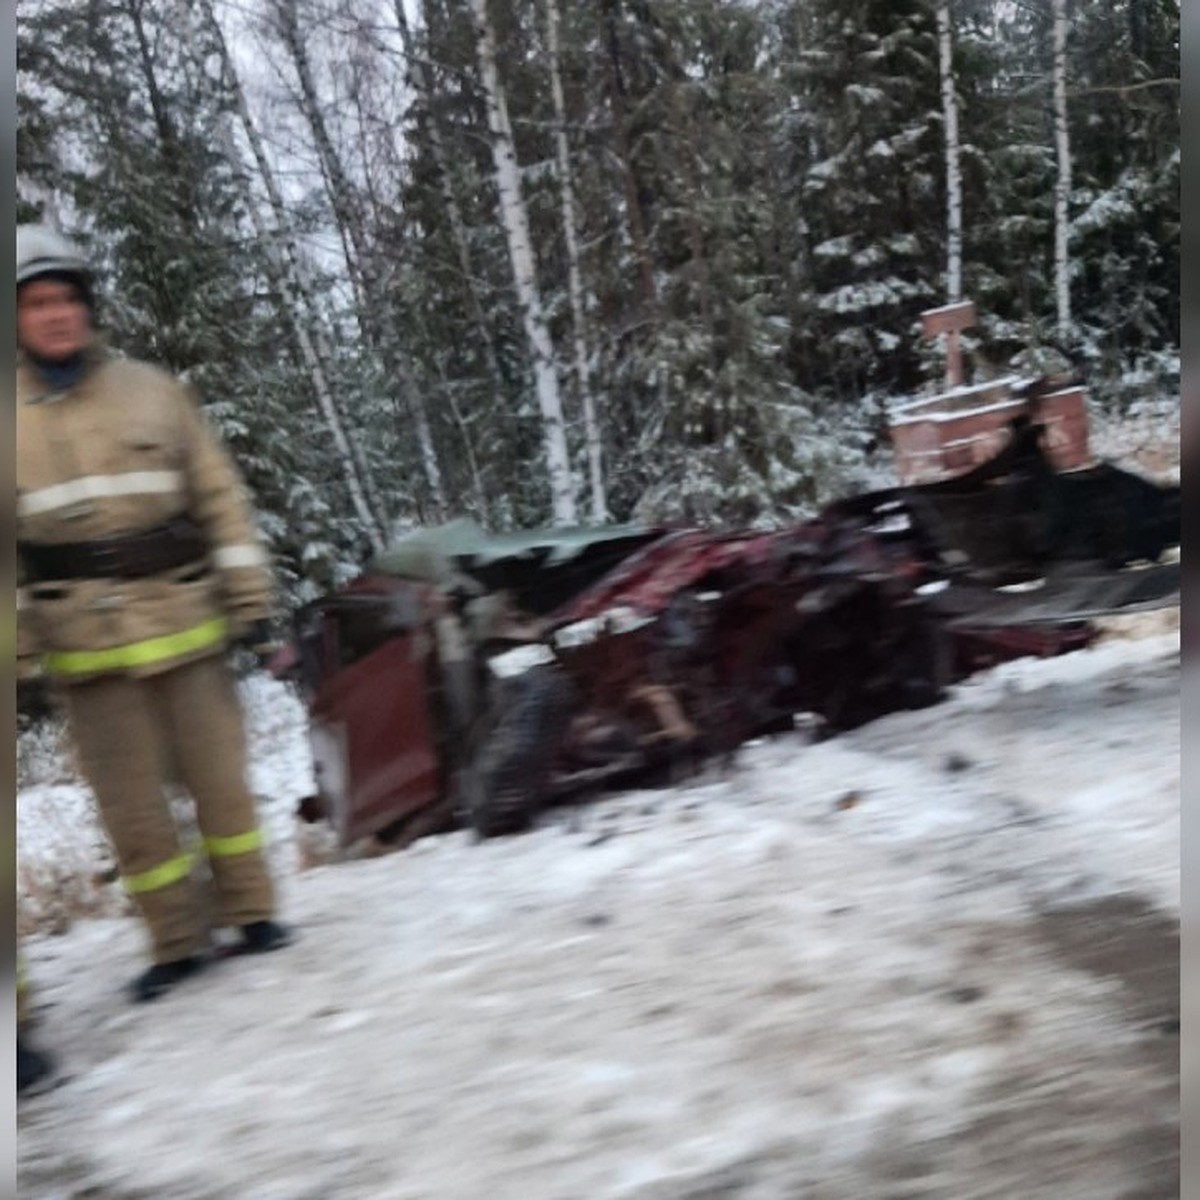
[44,251]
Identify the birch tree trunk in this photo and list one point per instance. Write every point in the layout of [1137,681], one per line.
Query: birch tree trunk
[516,230]
[1062,187]
[337,184]
[285,260]
[599,503]
[373,305]
[370,212]
[429,456]
[954,213]
[483,508]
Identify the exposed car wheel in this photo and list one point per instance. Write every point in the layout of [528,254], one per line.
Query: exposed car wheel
[926,664]
[910,669]
[507,782]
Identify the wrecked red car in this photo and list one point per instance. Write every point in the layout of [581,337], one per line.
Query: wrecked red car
[468,677]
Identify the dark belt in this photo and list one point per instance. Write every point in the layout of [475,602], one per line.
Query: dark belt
[177,543]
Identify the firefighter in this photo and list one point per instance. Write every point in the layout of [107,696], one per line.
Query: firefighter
[139,566]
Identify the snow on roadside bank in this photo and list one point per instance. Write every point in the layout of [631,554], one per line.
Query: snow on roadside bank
[821,973]
[1144,439]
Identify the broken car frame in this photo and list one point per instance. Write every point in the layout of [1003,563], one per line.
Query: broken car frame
[465,677]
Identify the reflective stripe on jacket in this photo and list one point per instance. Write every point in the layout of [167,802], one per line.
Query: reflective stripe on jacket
[122,451]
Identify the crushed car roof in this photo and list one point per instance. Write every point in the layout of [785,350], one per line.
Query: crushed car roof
[464,539]
[540,567]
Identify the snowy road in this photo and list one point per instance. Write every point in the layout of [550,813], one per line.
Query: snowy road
[934,958]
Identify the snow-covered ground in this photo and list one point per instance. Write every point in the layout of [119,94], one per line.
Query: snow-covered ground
[1146,438]
[933,958]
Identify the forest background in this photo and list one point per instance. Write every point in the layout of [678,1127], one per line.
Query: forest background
[533,261]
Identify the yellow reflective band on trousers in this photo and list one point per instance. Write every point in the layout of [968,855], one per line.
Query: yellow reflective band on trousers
[137,654]
[239,843]
[172,871]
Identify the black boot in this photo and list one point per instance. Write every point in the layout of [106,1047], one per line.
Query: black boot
[162,977]
[260,936]
[33,1067]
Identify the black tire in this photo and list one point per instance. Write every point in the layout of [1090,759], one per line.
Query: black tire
[507,783]
[913,671]
[927,664]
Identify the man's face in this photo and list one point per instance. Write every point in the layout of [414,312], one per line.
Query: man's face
[53,321]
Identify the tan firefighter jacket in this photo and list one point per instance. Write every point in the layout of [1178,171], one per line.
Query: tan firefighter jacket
[123,451]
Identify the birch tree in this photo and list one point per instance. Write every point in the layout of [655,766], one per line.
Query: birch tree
[372,306]
[343,198]
[583,384]
[1062,187]
[515,221]
[286,262]
[954,207]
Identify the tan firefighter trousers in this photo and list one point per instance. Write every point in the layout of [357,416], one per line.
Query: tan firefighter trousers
[131,734]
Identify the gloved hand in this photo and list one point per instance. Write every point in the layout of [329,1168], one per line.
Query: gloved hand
[33,697]
[258,640]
